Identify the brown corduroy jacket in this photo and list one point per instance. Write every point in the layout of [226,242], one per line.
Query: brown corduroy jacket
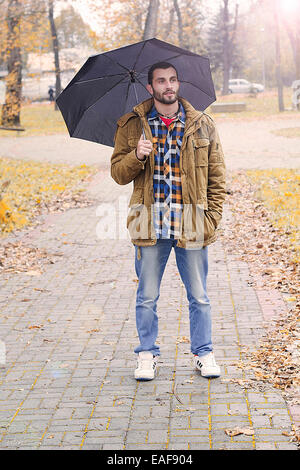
[202,171]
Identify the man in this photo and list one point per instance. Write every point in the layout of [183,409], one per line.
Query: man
[173,155]
[51,94]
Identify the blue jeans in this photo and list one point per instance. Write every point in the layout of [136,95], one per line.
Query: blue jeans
[193,267]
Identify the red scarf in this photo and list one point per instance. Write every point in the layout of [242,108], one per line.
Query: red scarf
[167,121]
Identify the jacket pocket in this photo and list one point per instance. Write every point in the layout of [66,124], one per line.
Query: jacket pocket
[137,197]
[201,151]
[201,147]
[139,220]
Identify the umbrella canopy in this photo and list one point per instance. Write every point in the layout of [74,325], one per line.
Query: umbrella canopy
[110,84]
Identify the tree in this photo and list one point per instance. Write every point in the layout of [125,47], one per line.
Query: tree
[55,50]
[151,20]
[179,19]
[190,21]
[222,43]
[21,33]
[278,57]
[72,31]
[291,23]
[122,22]
[12,106]
[128,21]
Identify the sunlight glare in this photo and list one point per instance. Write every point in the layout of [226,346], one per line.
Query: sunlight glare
[289,6]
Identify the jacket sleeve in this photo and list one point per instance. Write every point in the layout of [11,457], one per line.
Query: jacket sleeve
[216,187]
[125,166]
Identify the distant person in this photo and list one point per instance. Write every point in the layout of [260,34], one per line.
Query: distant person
[51,94]
[187,169]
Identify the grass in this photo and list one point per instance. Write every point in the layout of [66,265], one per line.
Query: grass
[39,119]
[265,104]
[26,187]
[279,189]
[290,132]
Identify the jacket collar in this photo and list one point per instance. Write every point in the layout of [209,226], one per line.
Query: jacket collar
[153,114]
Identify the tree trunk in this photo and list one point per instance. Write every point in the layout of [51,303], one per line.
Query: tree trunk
[12,106]
[151,20]
[55,51]
[278,60]
[226,50]
[179,17]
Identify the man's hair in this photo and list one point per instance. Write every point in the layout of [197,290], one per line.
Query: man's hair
[159,65]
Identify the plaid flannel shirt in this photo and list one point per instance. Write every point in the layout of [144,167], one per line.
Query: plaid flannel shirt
[168,205]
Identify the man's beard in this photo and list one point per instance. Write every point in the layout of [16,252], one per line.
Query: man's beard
[165,100]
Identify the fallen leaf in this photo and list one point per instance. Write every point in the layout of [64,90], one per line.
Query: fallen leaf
[33,273]
[232,413]
[189,381]
[237,431]
[182,339]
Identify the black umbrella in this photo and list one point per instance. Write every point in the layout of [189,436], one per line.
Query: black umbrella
[109,85]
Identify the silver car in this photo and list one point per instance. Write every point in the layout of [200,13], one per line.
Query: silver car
[240,85]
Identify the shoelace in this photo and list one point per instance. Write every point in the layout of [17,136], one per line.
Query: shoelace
[209,360]
[146,362]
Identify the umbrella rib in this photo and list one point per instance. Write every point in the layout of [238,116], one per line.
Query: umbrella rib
[169,58]
[139,55]
[127,93]
[174,57]
[115,62]
[143,85]
[185,81]
[95,103]
[100,78]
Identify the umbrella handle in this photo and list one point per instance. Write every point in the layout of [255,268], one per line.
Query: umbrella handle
[137,102]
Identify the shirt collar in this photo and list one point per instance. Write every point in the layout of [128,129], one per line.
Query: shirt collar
[153,114]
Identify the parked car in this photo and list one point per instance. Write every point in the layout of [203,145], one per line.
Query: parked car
[240,85]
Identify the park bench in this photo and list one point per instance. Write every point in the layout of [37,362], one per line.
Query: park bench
[18,129]
[227,107]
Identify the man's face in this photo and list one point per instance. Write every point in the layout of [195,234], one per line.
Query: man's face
[165,86]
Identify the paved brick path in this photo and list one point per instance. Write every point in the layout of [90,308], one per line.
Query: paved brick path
[70,332]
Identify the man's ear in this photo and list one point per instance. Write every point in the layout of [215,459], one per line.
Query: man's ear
[149,88]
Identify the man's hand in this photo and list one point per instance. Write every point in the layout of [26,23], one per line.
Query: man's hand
[144,148]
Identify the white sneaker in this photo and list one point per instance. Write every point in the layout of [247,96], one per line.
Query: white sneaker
[146,366]
[207,365]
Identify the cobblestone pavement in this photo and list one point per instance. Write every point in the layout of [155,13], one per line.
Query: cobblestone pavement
[70,332]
